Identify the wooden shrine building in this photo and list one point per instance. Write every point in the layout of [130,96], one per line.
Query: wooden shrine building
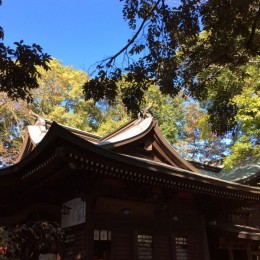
[128,196]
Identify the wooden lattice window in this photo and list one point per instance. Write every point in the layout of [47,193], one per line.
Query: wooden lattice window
[181,244]
[144,246]
[102,244]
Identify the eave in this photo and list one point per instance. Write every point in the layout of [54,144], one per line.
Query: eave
[61,149]
[253,180]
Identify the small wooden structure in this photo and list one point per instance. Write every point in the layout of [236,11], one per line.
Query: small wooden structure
[128,196]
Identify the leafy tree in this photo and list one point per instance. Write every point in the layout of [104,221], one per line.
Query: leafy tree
[18,67]
[245,109]
[113,116]
[196,141]
[59,98]
[12,121]
[247,135]
[27,241]
[167,111]
[183,46]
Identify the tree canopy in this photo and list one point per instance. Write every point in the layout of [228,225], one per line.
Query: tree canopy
[60,98]
[247,135]
[18,67]
[183,46]
[183,122]
[196,141]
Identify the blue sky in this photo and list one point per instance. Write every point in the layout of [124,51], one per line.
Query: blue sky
[77,32]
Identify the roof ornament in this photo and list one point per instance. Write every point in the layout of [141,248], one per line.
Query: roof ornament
[41,124]
[144,113]
[39,121]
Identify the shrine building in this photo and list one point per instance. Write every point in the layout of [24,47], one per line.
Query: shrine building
[128,196]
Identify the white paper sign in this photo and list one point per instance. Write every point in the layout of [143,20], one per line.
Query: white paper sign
[76,213]
[47,257]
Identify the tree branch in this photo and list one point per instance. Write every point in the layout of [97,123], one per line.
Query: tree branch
[253,29]
[111,59]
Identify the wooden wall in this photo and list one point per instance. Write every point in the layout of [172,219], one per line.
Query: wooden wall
[160,221]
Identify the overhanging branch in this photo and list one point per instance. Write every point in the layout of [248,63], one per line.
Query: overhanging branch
[111,59]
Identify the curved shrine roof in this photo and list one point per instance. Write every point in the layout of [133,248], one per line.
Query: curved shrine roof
[63,147]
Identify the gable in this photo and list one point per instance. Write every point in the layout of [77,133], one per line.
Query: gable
[35,133]
[143,139]
[140,138]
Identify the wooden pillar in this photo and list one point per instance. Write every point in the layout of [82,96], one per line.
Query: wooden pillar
[173,246]
[135,245]
[230,252]
[205,245]
[249,253]
[90,209]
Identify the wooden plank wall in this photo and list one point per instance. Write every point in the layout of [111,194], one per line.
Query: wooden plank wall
[162,247]
[74,242]
[122,245]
